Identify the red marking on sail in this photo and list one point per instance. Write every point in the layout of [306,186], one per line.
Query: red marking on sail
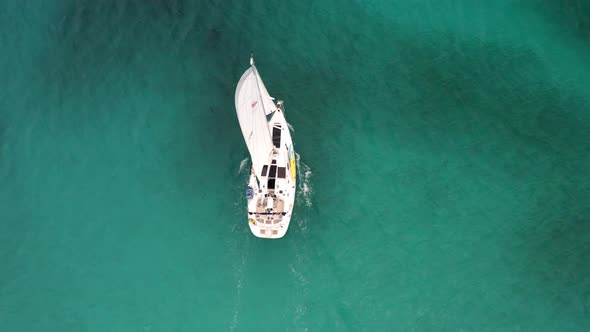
[254,103]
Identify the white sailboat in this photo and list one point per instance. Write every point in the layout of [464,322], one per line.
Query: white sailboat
[272,182]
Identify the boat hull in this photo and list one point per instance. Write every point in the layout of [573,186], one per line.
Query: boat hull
[272,183]
[270,210]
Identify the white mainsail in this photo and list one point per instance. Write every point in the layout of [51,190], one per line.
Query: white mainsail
[267,100]
[253,103]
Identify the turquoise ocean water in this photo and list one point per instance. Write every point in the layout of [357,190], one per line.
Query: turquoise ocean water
[444,166]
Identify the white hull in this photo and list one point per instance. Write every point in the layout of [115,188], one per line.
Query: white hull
[272,182]
[274,222]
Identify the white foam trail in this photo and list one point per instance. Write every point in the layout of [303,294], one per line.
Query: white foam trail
[240,210]
[299,276]
[302,223]
[239,276]
[236,248]
[290,127]
[299,271]
[300,310]
[243,164]
[305,185]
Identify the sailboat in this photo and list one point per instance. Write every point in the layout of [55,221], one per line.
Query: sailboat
[272,182]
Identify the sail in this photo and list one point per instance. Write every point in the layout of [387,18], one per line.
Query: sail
[267,100]
[252,105]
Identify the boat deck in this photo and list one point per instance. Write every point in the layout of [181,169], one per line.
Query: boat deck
[269,216]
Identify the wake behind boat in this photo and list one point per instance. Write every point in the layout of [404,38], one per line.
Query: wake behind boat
[271,186]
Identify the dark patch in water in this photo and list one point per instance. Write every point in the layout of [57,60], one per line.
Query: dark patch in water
[570,16]
[213,37]
[94,38]
[502,86]
[560,252]
[175,7]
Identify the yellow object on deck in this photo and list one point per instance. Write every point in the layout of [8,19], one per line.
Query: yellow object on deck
[293,170]
[292,162]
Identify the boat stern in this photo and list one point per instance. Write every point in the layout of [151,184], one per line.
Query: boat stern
[266,231]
